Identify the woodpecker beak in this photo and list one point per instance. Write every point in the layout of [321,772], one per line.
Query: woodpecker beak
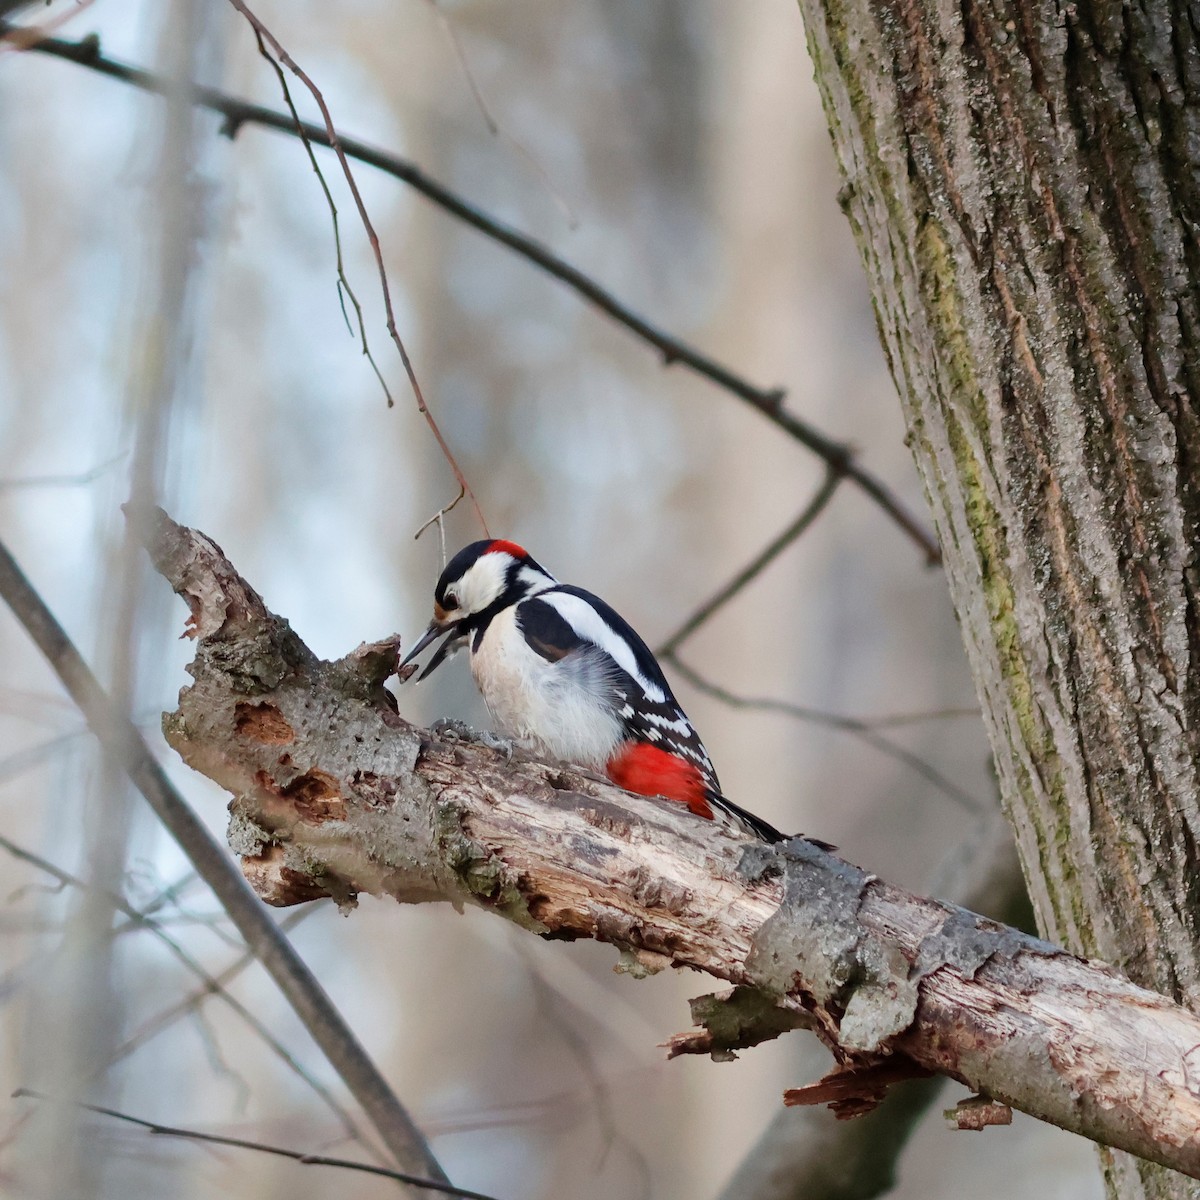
[453,642]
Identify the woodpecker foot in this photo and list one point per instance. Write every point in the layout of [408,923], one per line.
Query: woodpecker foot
[459,731]
[453,730]
[493,741]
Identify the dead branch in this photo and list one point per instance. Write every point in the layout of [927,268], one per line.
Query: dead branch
[802,1154]
[805,1156]
[335,794]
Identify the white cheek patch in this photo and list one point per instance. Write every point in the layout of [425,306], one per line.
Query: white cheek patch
[592,627]
[483,583]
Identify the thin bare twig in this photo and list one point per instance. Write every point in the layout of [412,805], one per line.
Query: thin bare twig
[212,986]
[54,481]
[120,739]
[345,291]
[545,998]
[308,1160]
[439,518]
[851,725]
[811,511]
[219,1064]
[548,999]
[492,124]
[334,142]
[767,401]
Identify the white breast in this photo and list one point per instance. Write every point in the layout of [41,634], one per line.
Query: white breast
[560,708]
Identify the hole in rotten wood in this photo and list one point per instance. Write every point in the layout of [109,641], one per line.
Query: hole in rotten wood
[316,796]
[262,723]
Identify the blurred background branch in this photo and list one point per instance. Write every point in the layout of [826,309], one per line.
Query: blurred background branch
[124,746]
[769,402]
[686,142]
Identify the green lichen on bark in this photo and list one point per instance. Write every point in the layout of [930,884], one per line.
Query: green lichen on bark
[1021,183]
[741,1018]
[484,874]
[965,422]
[257,664]
[244,835]
[174,728]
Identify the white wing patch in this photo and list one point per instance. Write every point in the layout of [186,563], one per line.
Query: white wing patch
[535,581]
[592,627]
[680,724]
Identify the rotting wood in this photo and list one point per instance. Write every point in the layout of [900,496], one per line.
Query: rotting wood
[895,984]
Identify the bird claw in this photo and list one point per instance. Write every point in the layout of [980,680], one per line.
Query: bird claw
[453,730]
[493,741]
[459,731]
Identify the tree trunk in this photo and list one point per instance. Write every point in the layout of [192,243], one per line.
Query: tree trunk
[1023,187]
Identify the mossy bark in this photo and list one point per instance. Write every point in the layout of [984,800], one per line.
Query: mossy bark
[1023,184]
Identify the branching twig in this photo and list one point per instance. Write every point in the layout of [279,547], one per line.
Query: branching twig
[212,986]
[439,519]
[674,350]
[811,511]
[862,730]
[308,1160]
[334,142]
[121,740]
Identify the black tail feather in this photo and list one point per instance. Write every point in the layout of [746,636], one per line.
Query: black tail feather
[761,829]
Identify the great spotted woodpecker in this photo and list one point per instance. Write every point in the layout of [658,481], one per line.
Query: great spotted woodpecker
[561,672]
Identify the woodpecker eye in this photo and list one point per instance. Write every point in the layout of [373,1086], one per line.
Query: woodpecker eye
[450,601]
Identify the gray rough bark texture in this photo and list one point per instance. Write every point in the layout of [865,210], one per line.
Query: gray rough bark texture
[805,1154]
[335,794]
[1022,182]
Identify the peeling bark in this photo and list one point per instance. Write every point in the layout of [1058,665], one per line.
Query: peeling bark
[335,794]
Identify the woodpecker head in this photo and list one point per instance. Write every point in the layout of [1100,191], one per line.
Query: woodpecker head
[479,581]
